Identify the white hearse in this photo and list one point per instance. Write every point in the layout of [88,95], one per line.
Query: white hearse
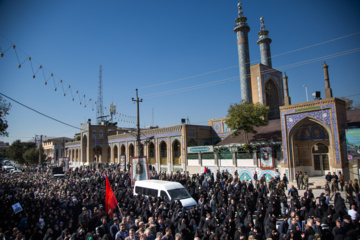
[166,189]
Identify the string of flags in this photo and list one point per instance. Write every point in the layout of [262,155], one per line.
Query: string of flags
[125,118]
[59,85]
[49,77]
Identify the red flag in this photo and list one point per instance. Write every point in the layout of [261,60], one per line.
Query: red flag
[110,199]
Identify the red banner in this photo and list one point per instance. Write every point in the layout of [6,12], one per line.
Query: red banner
[110,199]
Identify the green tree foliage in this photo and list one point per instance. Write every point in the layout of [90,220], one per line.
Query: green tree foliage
[31,156]
[245,116]
[4,110]
[17,149]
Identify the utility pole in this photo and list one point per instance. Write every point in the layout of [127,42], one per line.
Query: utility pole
[40,147]
[138,123]
[99,104]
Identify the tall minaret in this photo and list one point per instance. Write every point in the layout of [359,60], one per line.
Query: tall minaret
[264,42]
[287,99]
[241,29]
[328,90]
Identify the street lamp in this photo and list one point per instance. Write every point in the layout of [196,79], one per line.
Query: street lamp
[307,98]
[233,150]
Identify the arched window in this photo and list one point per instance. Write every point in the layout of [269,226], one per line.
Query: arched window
[163,153]
[122,150]
[151,153]
[115,153]
[176,150]
[131,150]
[141,146]
[109,154]
[272,99]
[84,153]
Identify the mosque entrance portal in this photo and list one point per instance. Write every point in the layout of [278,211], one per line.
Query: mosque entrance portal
[310,147]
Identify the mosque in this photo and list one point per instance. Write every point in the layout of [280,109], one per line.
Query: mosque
[308,136]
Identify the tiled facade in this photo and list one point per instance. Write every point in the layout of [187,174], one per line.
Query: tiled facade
[327,114]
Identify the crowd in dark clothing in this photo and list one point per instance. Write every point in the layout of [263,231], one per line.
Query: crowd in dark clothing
[228,208]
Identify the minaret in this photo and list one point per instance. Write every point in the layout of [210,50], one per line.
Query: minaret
[287,99]
[241,29]
[264,42]
[328,90]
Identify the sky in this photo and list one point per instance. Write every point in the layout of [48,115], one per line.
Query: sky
[180,55]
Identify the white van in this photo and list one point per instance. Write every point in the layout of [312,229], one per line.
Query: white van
[7,167]
[166,189]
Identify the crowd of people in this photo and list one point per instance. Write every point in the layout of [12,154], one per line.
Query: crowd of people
[228,208]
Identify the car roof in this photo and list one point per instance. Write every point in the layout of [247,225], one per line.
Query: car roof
[157,183]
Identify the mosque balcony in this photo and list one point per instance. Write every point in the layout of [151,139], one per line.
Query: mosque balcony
[264,39]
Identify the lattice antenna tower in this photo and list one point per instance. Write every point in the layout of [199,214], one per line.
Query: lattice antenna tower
[99,105]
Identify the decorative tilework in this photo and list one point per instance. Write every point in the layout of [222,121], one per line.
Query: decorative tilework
[311,131]
[163,139]
[245,176]
[259,91]
[244,65]
[323,115]
[192,132]
[217,126]
[178,138]
[265,54]
[248,173]
[225,127]
[221,135]
[133,138]
[101,134]
[268,174]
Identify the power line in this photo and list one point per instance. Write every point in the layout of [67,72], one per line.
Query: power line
[179,90]
[82,99]
[191,87]
[38,112]
[254,61]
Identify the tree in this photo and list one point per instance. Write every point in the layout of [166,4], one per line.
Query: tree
[31,156]
[348,102]
[245,116]
[4,110]
[17,149]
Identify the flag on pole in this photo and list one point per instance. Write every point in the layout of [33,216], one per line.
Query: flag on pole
[110,199]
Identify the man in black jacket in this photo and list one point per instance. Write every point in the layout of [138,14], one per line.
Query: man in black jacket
[328,177]
[338,230]
[317,227]
[114,228]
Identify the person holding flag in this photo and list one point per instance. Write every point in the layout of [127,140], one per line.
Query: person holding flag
[110,199]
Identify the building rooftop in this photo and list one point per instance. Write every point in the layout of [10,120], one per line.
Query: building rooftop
[272,132]
[353,118]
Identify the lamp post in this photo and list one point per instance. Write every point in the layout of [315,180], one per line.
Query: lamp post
[307,97]
[233,150]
